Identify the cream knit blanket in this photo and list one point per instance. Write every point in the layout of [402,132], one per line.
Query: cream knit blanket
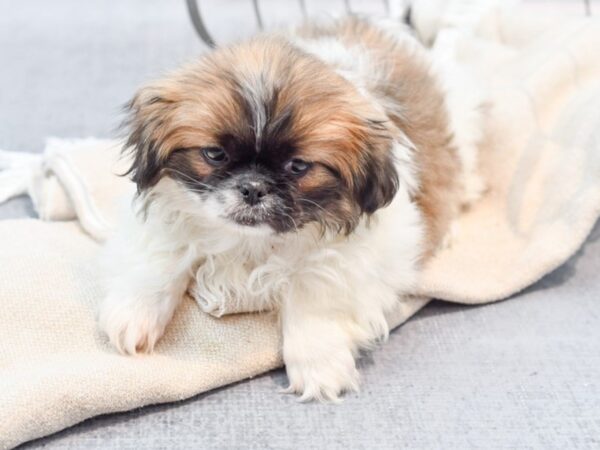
[542,162]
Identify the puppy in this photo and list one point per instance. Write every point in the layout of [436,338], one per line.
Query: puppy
[313,171]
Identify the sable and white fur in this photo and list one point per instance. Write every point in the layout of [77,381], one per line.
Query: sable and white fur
[332,278]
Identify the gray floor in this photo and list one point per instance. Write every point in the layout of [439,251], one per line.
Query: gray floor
[521,373]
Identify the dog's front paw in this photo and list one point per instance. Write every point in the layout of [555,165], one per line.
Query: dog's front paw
[323,378]
[133,325]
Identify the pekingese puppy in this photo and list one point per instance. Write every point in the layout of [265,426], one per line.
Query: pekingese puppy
[313,171]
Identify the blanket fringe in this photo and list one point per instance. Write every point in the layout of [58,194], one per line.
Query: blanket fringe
[17,169]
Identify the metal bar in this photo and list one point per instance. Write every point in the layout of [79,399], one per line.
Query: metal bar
[198,23]
[259,20]
[588,7]
[348,7]
[386,5]
[303,9]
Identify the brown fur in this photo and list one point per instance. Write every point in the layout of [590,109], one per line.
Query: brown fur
[309,105]
[424,119]
[332,126]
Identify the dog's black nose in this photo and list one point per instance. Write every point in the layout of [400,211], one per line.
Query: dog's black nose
[253,191]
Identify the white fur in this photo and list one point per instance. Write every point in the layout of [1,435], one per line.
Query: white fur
[333,291]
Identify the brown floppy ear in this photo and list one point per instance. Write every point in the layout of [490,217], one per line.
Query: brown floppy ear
[147,112]
[377,182]
[379,185]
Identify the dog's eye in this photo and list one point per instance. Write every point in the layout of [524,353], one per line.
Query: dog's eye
[296,166]
[215,155]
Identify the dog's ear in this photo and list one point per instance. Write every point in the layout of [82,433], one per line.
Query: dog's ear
[377,180]
[147,112]
[377,185]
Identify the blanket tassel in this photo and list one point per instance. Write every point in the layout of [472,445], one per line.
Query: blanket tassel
[17,170]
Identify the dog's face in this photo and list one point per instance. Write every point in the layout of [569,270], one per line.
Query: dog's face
[267,137]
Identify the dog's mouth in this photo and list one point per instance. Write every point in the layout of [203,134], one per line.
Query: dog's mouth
[248,221]
[261,217]
[257,224]
[250,216]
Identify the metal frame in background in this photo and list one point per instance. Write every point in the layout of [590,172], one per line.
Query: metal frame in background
[198,22]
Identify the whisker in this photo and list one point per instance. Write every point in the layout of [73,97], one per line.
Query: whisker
[312,203]
[280,211]
[190,178]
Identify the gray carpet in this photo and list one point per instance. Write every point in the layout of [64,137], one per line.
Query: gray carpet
[523,373]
